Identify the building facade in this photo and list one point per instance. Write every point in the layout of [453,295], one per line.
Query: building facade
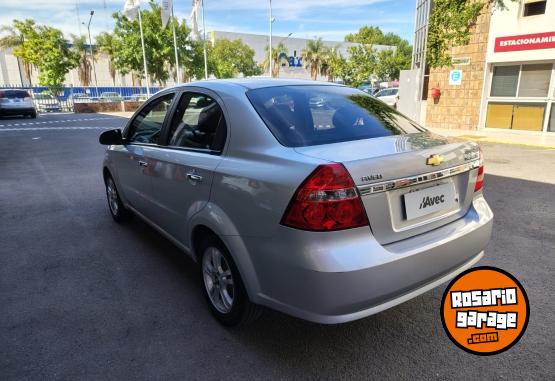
[12,74]
[459,103]
[519,89]
[503,79]
[294,67]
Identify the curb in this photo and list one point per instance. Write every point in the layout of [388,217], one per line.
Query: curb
[485,139]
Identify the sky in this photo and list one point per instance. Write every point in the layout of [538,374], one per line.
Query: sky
[329,19]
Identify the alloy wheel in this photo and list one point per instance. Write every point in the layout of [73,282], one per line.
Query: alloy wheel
[112,194]
[218,280]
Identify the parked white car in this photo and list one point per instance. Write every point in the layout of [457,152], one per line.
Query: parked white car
[47,103]
[389,96]
[110,96]
[16,102]
[80,98]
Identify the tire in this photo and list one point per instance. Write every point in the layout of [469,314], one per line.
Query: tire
[33,115]
[117,210]
[223,287]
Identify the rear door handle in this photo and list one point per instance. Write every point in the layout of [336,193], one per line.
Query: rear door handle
[194,177]
[143,163]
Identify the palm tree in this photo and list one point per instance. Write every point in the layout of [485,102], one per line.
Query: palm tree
[314,57]
[334,64]
[79,47]
[106,44]
[277,59]
[14,39]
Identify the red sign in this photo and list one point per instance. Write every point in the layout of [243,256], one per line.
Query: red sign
[525,42]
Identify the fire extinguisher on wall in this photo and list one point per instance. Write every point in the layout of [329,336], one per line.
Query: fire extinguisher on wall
[436,94]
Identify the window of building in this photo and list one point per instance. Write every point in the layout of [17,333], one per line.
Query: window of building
[534,9]
[505,81]
[523,116]
[534,80]
[551,125]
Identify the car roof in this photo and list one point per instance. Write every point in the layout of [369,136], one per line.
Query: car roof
[254,83]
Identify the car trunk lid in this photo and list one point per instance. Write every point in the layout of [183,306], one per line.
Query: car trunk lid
[404,193]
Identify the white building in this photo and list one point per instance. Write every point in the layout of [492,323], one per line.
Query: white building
[259,42]
[519,87]
[12,74]
[504,78]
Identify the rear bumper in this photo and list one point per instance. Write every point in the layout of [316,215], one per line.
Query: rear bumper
[342,276]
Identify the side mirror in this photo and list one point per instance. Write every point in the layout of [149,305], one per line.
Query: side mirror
[111,137]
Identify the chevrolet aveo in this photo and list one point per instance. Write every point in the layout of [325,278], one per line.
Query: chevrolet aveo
[309,198]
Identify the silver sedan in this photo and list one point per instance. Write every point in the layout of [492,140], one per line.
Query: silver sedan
[309,198]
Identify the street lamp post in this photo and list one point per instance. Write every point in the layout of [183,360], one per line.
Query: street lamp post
[91,50]
[270,47]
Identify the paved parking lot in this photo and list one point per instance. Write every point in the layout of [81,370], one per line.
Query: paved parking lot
[84,298]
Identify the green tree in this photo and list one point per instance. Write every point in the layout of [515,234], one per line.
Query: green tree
[46,49]
[159,48]
[393,61]
[84,65]
[337,67]
[229,58]
[192,64]
[389,64]
[449,25]
[277,61]
[106,44]
[369,35]
[362,59]
[16,35]
[314,57]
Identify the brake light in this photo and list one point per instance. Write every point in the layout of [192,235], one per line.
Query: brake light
[479,179]
[327,200]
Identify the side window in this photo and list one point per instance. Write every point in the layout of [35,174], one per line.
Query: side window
[147,125]
[198,123]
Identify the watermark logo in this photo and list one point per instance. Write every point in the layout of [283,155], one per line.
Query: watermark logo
[485,311]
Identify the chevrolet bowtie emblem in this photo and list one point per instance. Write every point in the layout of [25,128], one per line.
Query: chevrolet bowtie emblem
[435,160]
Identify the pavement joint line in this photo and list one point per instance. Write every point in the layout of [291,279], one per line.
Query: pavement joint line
[53,128]
[55,121]
[486,139]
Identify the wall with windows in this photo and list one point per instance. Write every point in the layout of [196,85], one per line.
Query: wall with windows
[519,91]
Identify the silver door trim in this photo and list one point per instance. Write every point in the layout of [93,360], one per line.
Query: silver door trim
[404,182]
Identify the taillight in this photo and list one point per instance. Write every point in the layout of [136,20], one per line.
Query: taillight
[480,179]
[327,200]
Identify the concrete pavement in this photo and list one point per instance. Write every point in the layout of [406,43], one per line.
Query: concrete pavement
[85,298]
[525,138]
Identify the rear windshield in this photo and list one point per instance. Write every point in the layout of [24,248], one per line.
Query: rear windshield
[14,94]
[301,116]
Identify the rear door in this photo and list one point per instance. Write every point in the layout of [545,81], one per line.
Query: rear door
[183,170]
[134,169]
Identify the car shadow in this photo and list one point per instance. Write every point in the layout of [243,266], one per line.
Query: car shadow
[409,336]
[7,118]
